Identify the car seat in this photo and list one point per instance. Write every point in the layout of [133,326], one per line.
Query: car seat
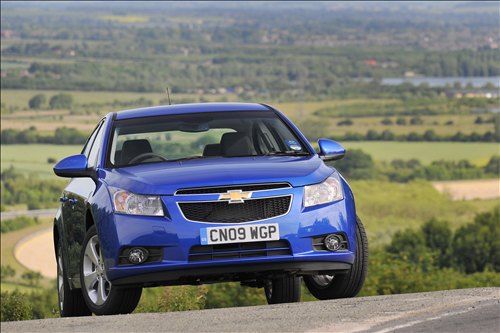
[134,148]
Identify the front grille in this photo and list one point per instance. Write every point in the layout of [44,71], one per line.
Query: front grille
[240,250]
[224,189]
[225,212]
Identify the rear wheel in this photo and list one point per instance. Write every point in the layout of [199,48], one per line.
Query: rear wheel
[71,302]
[100,297]
[285,289]
[343,285]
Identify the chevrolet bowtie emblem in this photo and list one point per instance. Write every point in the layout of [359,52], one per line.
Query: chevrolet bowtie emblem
[235,196]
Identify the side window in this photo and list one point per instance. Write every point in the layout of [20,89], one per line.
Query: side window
[90,141]
[96,147]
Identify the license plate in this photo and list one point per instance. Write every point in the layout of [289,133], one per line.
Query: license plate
[240,234]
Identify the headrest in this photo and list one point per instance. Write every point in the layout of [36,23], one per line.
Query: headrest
[236,144]
[212,150]
[133,148]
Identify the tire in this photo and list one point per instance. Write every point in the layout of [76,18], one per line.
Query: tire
[99,295]
[71,302]
[283,290]
[343,285]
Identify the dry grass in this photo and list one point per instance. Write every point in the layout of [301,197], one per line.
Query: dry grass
[470,189]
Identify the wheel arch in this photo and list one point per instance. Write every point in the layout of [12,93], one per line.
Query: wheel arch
[89,218]
[56,236]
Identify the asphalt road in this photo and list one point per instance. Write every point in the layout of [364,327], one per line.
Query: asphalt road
[466,310]
[31,213]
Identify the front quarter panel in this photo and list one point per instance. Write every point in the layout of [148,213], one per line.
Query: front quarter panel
[101,208]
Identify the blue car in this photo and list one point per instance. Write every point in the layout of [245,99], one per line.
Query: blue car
[203,193]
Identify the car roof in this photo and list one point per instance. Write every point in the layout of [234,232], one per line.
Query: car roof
[189,108]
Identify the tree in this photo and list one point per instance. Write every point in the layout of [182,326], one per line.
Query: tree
[15,306]
[356,164]
[37,101]
[497,127]
[407,244]
[386,121]
[387,135]
[430,135]
[32,277]
[7,271]
[345,122]
[416,121]
[438,236]
[401,121]
[476,246]
[493,166]
[61,101]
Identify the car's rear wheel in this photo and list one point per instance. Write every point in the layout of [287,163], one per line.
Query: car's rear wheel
[71,302]
[100,297]
[284,289]
[343,285]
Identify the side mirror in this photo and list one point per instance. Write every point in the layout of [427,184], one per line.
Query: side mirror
[330,150]
[73,166]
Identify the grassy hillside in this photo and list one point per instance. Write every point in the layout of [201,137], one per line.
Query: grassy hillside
[33,158]
[388,207]
[426,152]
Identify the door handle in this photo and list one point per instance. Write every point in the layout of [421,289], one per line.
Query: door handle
[63,199]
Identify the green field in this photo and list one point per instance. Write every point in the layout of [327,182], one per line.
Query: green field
[388,207]
[20,98]
[426,152]
[33,158]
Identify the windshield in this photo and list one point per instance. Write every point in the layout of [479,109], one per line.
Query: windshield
[201,135]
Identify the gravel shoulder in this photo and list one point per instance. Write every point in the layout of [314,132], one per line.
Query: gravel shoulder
[372,314]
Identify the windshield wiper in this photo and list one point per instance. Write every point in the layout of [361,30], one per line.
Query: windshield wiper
[286,153]
[187,158]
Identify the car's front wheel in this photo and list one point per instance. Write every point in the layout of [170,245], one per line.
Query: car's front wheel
[284,289]
[343,285]
[100,297]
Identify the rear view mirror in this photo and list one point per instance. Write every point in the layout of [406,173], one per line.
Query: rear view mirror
[330,150]
[73,166]
[194,127]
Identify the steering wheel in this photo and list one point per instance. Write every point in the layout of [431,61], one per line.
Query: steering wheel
[145,156]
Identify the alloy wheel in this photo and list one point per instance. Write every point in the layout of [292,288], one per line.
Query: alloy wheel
[60,282]
[323,280]
[96,284]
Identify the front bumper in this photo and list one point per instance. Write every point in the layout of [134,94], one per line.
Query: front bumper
[230,273]
[175,236]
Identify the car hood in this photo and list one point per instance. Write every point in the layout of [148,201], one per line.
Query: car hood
[166,178]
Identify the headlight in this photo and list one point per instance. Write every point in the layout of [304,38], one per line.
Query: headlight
[135,204]
[328,191]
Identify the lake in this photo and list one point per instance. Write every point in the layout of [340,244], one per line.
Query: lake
[477,82]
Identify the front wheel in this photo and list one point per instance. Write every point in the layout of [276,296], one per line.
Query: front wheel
[100,297]
[285,289]
[343,285]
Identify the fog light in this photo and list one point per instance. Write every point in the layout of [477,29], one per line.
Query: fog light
[138,255]
[332,242]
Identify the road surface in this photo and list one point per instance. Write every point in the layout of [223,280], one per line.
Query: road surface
[31,213]
[36,252]
[466,310]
